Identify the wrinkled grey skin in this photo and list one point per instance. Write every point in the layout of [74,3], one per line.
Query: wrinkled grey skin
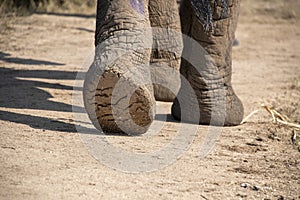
[121,25]
[212,87]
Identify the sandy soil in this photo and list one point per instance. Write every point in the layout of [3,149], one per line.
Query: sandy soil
[42,155]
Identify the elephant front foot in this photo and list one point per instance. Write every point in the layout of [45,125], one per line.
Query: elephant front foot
[116,103]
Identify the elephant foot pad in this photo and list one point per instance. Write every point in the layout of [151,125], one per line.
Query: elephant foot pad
[118,105]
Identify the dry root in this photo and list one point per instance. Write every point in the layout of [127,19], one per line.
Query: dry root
[277,117]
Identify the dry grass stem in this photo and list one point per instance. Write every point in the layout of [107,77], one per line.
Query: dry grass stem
[276,116]
[250,115]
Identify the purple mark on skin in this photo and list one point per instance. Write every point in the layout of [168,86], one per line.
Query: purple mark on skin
[138,5]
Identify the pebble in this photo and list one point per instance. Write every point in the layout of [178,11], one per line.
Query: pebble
[255,188]
[244,185]
[247,185]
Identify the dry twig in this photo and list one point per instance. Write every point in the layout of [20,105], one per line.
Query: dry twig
[277,117]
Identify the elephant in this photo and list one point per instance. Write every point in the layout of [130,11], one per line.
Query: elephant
[121,86]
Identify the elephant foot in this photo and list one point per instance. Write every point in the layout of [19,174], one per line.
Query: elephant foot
[206,95]
[224,110]
[117,104]
[165,79]
[166,49]
[118,92]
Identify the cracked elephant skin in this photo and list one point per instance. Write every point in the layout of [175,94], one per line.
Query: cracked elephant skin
[118,92]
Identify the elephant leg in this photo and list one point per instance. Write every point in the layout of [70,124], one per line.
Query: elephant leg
[208,71]
[167,48]
[118,96]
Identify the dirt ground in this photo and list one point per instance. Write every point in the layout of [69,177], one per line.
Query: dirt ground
[42,155]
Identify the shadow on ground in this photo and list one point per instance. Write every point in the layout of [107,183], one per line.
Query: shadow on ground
[67,14]
[85,29]
[6,57]
[18,93]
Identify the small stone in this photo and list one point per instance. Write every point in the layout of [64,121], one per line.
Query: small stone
[244,185]
[255,188]
[280,197]
[242,195]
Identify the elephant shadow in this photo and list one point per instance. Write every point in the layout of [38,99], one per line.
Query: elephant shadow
[26,89]
[20,90]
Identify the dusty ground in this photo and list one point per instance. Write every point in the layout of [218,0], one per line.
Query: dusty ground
[41,153]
